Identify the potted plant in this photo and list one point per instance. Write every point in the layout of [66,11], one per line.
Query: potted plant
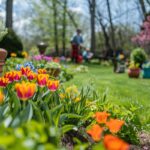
[3,53]
[138,56]
[53,69]
[134,70]
[146,70]
[42,47]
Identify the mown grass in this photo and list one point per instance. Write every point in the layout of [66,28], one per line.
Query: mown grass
[121,89]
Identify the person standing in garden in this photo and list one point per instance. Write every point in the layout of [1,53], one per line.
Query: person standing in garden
[76,43]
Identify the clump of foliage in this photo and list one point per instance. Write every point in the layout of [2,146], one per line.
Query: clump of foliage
[139,56]
[12,43]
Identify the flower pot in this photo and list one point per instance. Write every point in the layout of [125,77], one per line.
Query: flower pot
[54,72]
[146,73]
[42,47]
[3,55]
[134,73]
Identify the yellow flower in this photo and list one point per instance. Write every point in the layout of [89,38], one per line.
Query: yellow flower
[24,54]
[77,99]
[72,89]
[13,54]
[62,96]
[1,97]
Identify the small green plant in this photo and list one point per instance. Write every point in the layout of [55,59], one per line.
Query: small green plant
[53,65]
[139,56]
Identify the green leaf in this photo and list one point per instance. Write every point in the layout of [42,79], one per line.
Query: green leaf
[24,116]
[66,116]
[55,113]
[7,140]
[67,128]
[37,112]
[27,113]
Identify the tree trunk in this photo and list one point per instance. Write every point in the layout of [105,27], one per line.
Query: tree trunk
[9,14]
[106,37]
[112,35]
[92,8]
[55,26]
[143,8]
[64,27]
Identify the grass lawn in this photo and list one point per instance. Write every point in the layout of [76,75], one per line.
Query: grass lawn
[121,89]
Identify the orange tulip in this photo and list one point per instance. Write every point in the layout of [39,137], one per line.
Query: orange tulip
[17,75]
[25,70]
[42,71]
[13,76]
[1,97]
[9,75]
[31,76]
[95,132]
[114,143]
[53,85]
[115,125]
[25,90]
[101,117]
[42,79]
[3,81]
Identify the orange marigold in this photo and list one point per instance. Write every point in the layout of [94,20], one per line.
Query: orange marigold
[114,143]
[101,117]
[114,125]
[95,132]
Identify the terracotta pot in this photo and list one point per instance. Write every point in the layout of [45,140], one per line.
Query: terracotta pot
[53,71]
[134,73]
[3,55]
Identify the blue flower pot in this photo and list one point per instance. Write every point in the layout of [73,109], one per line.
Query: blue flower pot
[146,73]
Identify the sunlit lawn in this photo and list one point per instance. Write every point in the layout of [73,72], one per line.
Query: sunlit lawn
[121,89]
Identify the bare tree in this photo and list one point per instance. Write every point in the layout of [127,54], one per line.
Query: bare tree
[92,10]
[103,27]
[112,34]
[143,7]
[55,14]
[9,14]
[64,24]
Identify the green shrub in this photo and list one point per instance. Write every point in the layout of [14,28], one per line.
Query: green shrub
[139,56]
[11,43]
